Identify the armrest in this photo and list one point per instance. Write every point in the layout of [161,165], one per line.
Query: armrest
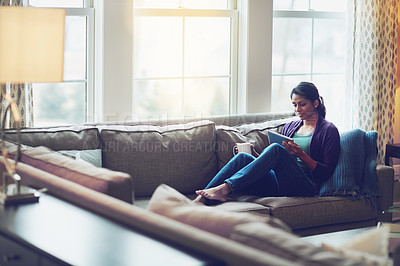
[385,175]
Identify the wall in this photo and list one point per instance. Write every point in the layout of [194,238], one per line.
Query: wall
[117,60]
[259,57]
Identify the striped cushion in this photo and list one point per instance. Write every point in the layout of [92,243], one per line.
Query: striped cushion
[355,171]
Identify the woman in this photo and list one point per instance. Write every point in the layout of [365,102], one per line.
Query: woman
[295,168]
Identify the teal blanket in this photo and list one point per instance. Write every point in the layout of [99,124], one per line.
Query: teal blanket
[355,173]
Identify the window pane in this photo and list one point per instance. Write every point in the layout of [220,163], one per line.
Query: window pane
[207,46]
[59,103]
[56,3]
[195,4]
[291,5]
[156,3]
[75,48]
[157,97]
[206,96]
[329,47]
[206,4]
[281,88]
[331,88]
[328,5]
[292,45]
[157,47]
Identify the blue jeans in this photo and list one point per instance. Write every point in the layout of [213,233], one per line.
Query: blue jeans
[274,173]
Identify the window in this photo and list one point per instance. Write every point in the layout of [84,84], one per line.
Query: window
[184,57]
[308,45]
[69,102]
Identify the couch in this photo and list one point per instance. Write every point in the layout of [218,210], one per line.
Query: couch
[246,239]
[185,155]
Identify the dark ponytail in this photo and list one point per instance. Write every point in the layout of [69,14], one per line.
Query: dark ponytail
[310,92]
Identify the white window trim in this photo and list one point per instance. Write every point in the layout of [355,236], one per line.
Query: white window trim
[98,74]
[90,94]
[255,51]
[309,15]
[89,13]
[113,59]
[233,14]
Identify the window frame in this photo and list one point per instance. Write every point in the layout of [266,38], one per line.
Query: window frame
[89,80]
[311,14]
[86,11]
[233,14]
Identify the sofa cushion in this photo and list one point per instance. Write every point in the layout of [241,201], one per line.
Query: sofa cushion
[169,202]
[254,133]
[181,155]
[244,206]
[305,212]
[227,137]
[91,156]
[286,245]
[59,138]
[274,125]
[113,183]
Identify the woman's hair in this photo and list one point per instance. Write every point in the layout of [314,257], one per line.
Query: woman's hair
[310,92]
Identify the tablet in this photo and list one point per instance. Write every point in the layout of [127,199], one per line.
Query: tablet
[277,138]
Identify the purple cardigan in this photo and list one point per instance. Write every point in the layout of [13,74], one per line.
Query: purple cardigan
[324,147]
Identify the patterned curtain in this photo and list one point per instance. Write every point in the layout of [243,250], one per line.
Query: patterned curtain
[372,66]
[22,93]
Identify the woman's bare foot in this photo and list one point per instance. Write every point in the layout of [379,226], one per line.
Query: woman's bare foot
[216,193]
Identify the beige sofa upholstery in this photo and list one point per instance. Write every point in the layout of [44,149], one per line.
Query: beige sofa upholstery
[187,154]
[221,248]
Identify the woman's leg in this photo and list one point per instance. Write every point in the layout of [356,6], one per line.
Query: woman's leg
[234,165]
[274,173]
[277,171]
[217,188]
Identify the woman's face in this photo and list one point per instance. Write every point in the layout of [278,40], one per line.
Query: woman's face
[303,107]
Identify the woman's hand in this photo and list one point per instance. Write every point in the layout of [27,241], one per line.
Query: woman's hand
[293,148]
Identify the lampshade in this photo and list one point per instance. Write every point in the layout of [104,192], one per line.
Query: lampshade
[31,44]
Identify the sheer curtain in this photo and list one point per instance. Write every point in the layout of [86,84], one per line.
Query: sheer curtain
[371,67]
[22,93]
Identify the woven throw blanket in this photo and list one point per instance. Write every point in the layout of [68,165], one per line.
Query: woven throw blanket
[355,173]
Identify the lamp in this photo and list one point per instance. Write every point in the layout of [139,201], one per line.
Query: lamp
[31,50]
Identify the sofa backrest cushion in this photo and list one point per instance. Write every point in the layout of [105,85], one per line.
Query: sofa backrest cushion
[113,183]
[181,155]
[91,156]
[59,138]
[254,133]
[227,120]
